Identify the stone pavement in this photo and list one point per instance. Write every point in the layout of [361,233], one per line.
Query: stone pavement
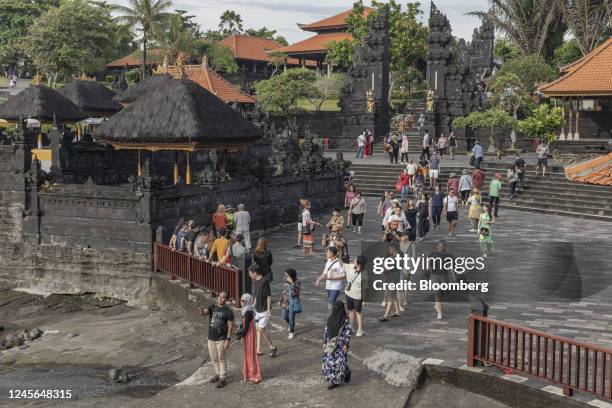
[519,238]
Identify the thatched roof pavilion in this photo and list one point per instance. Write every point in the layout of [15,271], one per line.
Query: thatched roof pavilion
[179,115]
[149,83]
[42,103]
[92,97]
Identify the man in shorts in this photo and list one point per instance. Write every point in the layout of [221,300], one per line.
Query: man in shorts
[451,204]
[299,226]
[542,152]
[352,291]
[260,286]
[434,170]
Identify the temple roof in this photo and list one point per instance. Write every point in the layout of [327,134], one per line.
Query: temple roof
[315,44]
[91,96]
[335,22]
[41,103]
[588,76]
[151,82]
[179,115]
[250,48]
[208,79]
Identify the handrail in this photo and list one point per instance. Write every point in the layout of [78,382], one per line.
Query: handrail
[575,365]
[196,271]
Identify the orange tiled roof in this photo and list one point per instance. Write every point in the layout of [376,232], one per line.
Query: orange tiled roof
[589,76]
[334,22]
[315,44]
[596,171]
[250,48]
[213,82]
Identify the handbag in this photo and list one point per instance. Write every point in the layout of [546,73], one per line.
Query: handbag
[484,232]
[295,306]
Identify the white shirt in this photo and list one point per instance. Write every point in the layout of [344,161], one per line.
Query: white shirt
[426,140]
[333,269]
[242,220]
[451,203]
[361,140]
[354,279]
[411,167]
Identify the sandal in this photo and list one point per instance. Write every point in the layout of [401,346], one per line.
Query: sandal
[396,314]
[259,353]
[273,353]
[382,319]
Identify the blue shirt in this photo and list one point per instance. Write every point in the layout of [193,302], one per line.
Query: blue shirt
[477,150]
[437,199]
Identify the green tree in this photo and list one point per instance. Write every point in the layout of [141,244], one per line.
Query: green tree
[490,119]
[68,40]
[230,23]
[144,15]
[188,24]
[173,38]
[531,70]
[509,93]
[219,57]
[504,50]
[588,20]
[16,16]
[534,26]
[567,52]
[281,93]
[264,32]
[340,53]
[544,122]
[328,87]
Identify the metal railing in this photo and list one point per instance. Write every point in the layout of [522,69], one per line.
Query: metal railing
[196,271]
[572,364]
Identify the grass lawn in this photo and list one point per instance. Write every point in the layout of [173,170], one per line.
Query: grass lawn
[4,82]
[330,105]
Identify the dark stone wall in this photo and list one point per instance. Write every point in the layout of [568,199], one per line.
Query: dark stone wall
[595,125]
[324,124]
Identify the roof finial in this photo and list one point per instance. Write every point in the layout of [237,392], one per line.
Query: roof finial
[163,68]
[181,67]
[205,61]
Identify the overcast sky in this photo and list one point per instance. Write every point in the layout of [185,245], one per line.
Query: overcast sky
[283,15]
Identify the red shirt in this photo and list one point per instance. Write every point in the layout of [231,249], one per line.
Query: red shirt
[478,178]
[404,179]
[220,221]
[453,184]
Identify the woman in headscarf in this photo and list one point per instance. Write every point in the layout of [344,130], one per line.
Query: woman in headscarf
[336,340]
[248,336]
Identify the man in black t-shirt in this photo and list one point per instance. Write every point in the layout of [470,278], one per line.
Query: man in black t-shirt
[221,319]
[260,286]
[520,166]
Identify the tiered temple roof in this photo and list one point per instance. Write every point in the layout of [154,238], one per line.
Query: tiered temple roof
[588,76]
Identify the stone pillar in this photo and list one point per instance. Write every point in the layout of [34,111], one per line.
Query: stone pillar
[55,139]
[139,169]
[562,135]
[570,134]
[577,133]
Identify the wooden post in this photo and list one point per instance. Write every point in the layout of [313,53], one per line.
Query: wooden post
[576,133]
[570,134]
[175,169]
[139,170]
[562,135]
[188,170]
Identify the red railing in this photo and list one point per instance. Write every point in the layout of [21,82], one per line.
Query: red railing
[572,364]
[196,271]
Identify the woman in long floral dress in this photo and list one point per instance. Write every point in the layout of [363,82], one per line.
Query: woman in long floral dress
[336,340]
[251,370]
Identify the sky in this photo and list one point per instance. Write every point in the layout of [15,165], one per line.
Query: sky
[283,15]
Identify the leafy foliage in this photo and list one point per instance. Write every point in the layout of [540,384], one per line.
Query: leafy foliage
[220,58]
[588,20]
[504,50]
[544,122]
[16,16]
[230,23]
[68,40]
[568,52]
[280,93]
[173,37]
[509,93]
[328,87]
[489,119]
[531,70]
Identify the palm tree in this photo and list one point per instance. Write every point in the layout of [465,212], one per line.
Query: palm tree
[230,23]
[533,25]
[588,20]
[173,38]
[144,15]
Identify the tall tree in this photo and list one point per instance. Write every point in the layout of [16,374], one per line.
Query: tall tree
[144,15]
[535,26]
[16,16]
[588,21]
[230,23]
[76,37]
[189,24]
[173,38]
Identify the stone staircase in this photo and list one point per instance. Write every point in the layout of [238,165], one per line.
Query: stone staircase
[553,194]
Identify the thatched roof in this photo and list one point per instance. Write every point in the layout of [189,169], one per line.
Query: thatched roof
[179,115]
[42,103]
[152,82]
[92,97]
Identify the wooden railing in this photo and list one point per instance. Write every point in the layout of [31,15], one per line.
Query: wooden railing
[572,364]
[198,272]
